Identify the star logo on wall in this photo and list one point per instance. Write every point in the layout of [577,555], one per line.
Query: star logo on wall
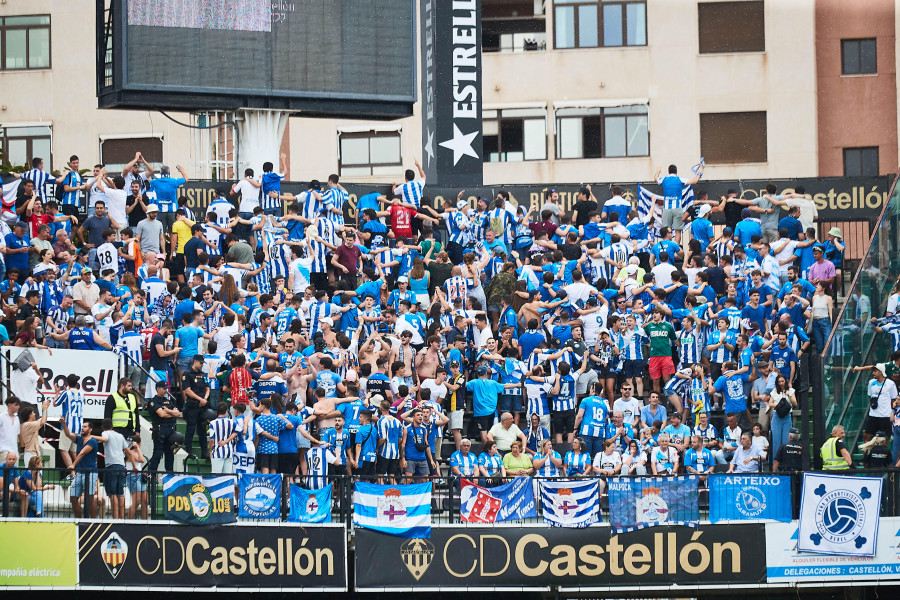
[461,144]
[429,146]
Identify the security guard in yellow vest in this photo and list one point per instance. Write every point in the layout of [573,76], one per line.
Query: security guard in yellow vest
[122,407]
[834,455]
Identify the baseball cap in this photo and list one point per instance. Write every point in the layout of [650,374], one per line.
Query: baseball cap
[882,367]
[462,204]
[818,247]
[454,363]
[482,370]
[631,269]
[745,213]
[794,431]
[403,279]
[152,208]
[38,269]
[88,319]
[198,358]
[703,210]
[327,320]
[86,270]
[154,318]
[268,315]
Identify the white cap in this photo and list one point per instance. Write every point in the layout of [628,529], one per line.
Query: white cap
[152,208]
[631,269]
[38,269]
[403,279]
[704,210]
[88,320]
[327,320]
[882,367]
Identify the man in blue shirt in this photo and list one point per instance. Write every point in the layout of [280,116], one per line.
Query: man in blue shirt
[85,483]
[747,227]
[731,386]
[791,223]
[365,447]
[698,460]
[485,396]
[166,190]
[672,189]
[783,357]
[17,246]
[701,227]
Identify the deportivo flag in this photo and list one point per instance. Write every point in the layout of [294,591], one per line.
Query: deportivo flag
[197,500]
[644,501]
[749,497]
[401,510]
[509,502]
[570,503]
[839,514]
[646,198]
[260,496]
[310,506]
[687,197]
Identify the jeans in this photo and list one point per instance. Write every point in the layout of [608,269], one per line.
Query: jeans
[821,327]
[592,445]
[781,426]
[895,443]
[192,420]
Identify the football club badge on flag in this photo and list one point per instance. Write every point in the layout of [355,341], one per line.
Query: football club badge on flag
[749,497]
[260,496]
[646,501]
[310,506]
[114,551]
[401,510]
[571,503]
[839,514]
[510,501]
[199,500]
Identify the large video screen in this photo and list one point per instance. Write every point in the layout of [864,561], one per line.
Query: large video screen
[335,49]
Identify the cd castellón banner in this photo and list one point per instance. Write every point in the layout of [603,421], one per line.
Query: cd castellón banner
[594,558]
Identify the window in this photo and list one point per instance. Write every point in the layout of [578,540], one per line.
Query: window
[21,144]
[116,153]
[602,132]
[515,134]
[858,57]
[731,27]
[369,153]
[25,42]
[861,162]
[593,23]
[733,137]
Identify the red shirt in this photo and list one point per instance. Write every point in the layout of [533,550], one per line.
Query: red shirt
[240,380]
[35,222]
[401,221]
[348,257]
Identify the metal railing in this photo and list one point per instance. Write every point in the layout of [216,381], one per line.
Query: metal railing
[144,498]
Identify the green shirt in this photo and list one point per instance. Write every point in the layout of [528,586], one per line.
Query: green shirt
[661,337]
[516,464]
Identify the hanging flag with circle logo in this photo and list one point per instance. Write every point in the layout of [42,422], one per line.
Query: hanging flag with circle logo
[749,497]
[839,514]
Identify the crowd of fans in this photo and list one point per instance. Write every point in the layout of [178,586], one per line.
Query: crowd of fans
[292,339]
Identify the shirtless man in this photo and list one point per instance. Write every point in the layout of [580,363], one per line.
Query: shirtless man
[325,411]
[404,352]
[374,349]
[326,326]
[428,360]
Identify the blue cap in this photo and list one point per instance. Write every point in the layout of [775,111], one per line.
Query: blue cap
[482,370]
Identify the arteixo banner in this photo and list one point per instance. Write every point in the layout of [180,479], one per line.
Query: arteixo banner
[257,557]
[837,198]
[505,557]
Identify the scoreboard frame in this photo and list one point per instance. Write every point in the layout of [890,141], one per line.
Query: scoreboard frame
[114,90]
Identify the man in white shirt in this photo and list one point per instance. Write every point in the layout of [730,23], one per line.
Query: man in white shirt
[482,332]
[116,195]
[662,272]
[9,429]
[629,406]
[578,290]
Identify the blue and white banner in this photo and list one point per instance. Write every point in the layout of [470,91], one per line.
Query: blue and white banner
[839,514]
[508,502]
[402,510]
[644,501]
[260,496]
[570,503]
[749,497]
[310,506]
[197,500]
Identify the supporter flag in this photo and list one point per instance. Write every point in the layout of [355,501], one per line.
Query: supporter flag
[401,510]
[197,500]
[310,506]
[749,497]
[698,168]
[645,201]
[839,514]
[508,502]
[10,190]
[571,503]
[687,197]
[645,501]
[260,496]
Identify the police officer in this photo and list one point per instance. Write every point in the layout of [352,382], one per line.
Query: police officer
[196,405]
[790,455]
[122,408]
[876,454]
[835,456]
[163,413]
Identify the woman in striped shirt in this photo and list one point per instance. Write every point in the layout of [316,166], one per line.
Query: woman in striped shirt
[548,462]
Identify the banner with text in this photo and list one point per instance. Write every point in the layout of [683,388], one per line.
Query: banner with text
[260,496]
[99,373]
[197,500]
[252,557]
[839,514]
[508,502]
[837,198]
[645,501]
[459,557]
[36,554]
[749,497]
[786,564]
